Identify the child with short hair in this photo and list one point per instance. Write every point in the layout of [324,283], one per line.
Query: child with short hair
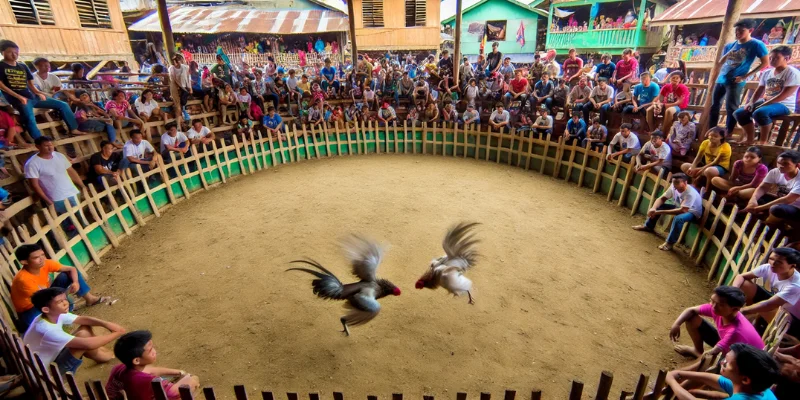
[135,374]
[730,326]
[47,338]
[747,373]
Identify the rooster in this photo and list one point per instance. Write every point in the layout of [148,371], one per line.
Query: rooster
[361,297]
[448,270]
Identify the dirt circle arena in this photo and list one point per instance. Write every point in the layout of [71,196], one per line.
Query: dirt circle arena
[564,289]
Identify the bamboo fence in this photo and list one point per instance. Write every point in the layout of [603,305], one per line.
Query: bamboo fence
[724,241]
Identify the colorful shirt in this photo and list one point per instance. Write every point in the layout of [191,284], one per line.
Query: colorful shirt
[682,136]
[740,58]
[743,178]
[739,331]
[672,93]
[774,83]
[26,284]
[710,154]
[135,383]
[627,67]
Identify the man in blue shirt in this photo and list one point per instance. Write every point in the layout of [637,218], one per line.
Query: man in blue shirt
[606,68]
[273,123]
[576,130]
[747,374]
[643,95]
[328,73]
[737,57]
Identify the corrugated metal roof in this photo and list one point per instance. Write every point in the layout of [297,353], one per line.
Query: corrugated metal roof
[187,19]
[699,11]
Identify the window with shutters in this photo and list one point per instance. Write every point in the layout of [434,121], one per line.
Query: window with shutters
[372,13]
[415,13]
[32,12]
[93,13]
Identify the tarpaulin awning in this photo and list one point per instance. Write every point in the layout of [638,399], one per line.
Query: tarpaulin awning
[227,19]
[704,11]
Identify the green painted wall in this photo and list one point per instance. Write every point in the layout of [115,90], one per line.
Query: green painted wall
[494,10]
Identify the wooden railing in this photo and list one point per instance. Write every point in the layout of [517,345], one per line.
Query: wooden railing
[708,54]
[596,39]
[286,60]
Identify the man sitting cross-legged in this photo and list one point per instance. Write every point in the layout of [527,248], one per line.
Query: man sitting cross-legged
[135,374]
[46,334]
[35,275]
[686,205]
[746,374]
[729,327]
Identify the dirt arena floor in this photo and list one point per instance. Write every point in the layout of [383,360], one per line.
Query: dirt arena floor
[564,291]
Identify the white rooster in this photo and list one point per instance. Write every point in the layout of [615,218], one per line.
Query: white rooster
[460,255]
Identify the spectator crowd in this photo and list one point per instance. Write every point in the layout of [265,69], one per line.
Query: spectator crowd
[608,105]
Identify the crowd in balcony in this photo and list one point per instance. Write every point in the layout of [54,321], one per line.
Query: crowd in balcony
[609,105]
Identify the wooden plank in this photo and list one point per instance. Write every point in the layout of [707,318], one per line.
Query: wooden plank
[614,176]
[424,137]
[305,144]
[723,241]
[240,392]
[267,396]
[641,387]
[577,390]
[338,396]
[158,389]
[604,387]
[544,154]
[536,394]
[486,396]
[510,395]
[584,164]
[208,393]
[185,392]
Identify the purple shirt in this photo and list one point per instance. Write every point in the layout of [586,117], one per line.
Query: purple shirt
[743,178]
[740,331]
[135,383]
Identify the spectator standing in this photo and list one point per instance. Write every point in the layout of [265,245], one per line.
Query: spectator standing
[507,69]
[16,82]
[714,154]
[180,84]
[625,144]
[52,177]
[560,94]
[136,373]
[572,67]
[736,60]
[682,134]
[465,72]
[778,86]
[626,70]
[682,201]
[445,64]
[494,59]
[537,69]
[655,155]
[746,175]
[552,67]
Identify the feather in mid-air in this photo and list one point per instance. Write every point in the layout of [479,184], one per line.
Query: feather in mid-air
[361,297]
[448,270]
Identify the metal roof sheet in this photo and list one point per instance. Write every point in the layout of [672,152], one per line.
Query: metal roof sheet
[225,19]
[700,11]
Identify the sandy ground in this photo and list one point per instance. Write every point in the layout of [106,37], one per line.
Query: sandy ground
[566,289]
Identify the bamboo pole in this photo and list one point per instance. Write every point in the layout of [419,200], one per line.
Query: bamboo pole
[732,13]
[457,51]
[352,21]
[166,28]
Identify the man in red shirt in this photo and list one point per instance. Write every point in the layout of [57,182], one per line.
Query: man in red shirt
[627,70]
[518,90]
[572,67]
[673,98]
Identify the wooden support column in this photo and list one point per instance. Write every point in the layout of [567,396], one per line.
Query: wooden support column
[351,18]
[732,14]
[457,51]
[166,29]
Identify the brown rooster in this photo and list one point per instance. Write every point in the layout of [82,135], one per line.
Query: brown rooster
[448,270]
[362,297]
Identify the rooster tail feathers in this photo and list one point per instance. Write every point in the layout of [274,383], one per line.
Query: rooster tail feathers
[460,241]
[327,285]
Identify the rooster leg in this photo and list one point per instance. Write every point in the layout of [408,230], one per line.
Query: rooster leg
[344,325]
[471,300]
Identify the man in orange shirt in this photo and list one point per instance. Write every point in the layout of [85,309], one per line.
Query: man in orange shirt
[35,275]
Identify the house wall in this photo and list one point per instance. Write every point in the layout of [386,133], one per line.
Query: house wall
[394,35]
[494,10]
[67,40]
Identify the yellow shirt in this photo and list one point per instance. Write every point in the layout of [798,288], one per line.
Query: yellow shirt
[710,154]
[304,86]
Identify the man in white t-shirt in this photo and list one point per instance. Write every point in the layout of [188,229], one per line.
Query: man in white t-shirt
[48,83]
[783,279]
[625,144]
[52,177]
[785,180]
[685,204]
[655,155]
[199,134]
[138,151]
[173,142]
[46,335]
[500,118]
[778,86]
